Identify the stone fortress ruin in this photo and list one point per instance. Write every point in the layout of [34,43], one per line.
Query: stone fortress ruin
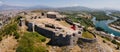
[55,26]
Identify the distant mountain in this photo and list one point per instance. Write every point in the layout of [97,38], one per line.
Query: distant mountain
[8,7]
[77,8]
[72,8]
[39,7]
[110,10]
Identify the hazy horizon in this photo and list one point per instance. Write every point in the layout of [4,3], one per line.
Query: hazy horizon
[101,4]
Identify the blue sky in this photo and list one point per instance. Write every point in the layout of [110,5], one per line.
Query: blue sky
[63,3]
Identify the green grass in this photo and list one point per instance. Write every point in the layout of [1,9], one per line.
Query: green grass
[116,14]
[100,15]
[83,21]
[10,28]
[31,42]
[86,34]
[86,22]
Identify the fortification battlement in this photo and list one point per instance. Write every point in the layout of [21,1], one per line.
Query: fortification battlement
[48,21]
[54,26]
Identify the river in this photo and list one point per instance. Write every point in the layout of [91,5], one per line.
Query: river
[104,24]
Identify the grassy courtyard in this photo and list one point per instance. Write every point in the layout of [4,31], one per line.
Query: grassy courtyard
[86,34]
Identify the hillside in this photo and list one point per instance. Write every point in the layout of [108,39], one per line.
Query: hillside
[21,38]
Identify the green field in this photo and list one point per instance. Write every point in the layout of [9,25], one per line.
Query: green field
[31,42]
[100,15]
[83,21]
[116,23]
[86,34]
[116,14]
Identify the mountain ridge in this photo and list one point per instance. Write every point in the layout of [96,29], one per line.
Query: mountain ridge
[72,8]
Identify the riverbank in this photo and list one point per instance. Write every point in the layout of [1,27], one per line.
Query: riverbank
[105,25]
[114,28]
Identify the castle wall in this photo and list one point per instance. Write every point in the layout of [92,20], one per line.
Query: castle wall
[29,25]
[44,31]
[58,40]
[87,40]
[51,16]
[55,40]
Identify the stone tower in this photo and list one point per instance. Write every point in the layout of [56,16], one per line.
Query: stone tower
[22,24]
[33,26]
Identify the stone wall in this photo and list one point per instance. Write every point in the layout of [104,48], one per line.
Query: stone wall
[69,21]
[51,16]
[55,40]
[59,40]
[45,32]
[29,25]
[87,40]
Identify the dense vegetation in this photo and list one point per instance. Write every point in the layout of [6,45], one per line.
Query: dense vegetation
[31,42]
[116,14]
[100,15]
[116,23]
[115,42]
[86,22]
[99,29]
[10,29]
[83,21]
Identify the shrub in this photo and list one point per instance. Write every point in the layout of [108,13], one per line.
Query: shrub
[10,28]
[104,41]
[16,34]
[0,38]
[43,40]
[115,42]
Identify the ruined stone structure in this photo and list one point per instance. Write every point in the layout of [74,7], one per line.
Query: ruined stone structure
[22,24]
[1,24]
[48,26]
[55,15]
